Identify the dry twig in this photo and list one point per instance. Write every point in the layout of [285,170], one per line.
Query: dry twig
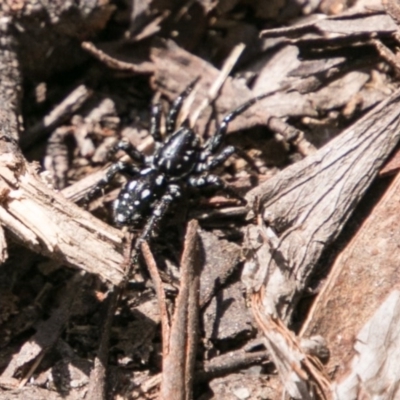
[179,347]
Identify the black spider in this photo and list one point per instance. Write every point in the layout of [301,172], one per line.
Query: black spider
[179,161]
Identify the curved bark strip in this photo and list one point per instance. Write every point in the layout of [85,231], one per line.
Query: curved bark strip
[308,204]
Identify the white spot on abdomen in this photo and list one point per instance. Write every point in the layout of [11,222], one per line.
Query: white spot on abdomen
[120,218]
[132,185]
[145,193]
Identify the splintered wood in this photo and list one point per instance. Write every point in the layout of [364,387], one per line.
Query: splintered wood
[51,225]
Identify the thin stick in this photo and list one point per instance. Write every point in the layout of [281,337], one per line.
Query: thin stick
[97,383]
[216,86]
[178,365]
[155,276]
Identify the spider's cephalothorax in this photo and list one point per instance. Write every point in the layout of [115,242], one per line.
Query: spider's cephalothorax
[178,162]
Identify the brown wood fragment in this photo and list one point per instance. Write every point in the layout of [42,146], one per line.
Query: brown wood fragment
[301,373]
[361,278]
[56,161]
[392,59]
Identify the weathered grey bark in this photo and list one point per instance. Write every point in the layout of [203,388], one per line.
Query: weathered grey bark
[308,204]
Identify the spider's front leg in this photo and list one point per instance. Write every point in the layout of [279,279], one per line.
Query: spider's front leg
[129,149]
[155,122]
[214,143]
[215,182]
[172,193]
[113,170]
[176,107]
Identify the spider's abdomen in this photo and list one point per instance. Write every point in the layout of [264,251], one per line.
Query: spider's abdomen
[178,156]
[135,199]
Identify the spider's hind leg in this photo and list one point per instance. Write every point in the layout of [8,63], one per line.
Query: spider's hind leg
[216,161]
[172,193]
[215,182]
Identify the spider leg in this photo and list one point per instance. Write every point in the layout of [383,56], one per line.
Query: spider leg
[214,143]
[129,149]
[219,159]
[114,169]
[176,107]
[214,181]
[172,193]
[155,122]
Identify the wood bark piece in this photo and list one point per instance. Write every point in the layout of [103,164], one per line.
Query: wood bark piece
[308,204]
[362,276]
[327,28]
[176,68]
[49,32]
[227,316]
